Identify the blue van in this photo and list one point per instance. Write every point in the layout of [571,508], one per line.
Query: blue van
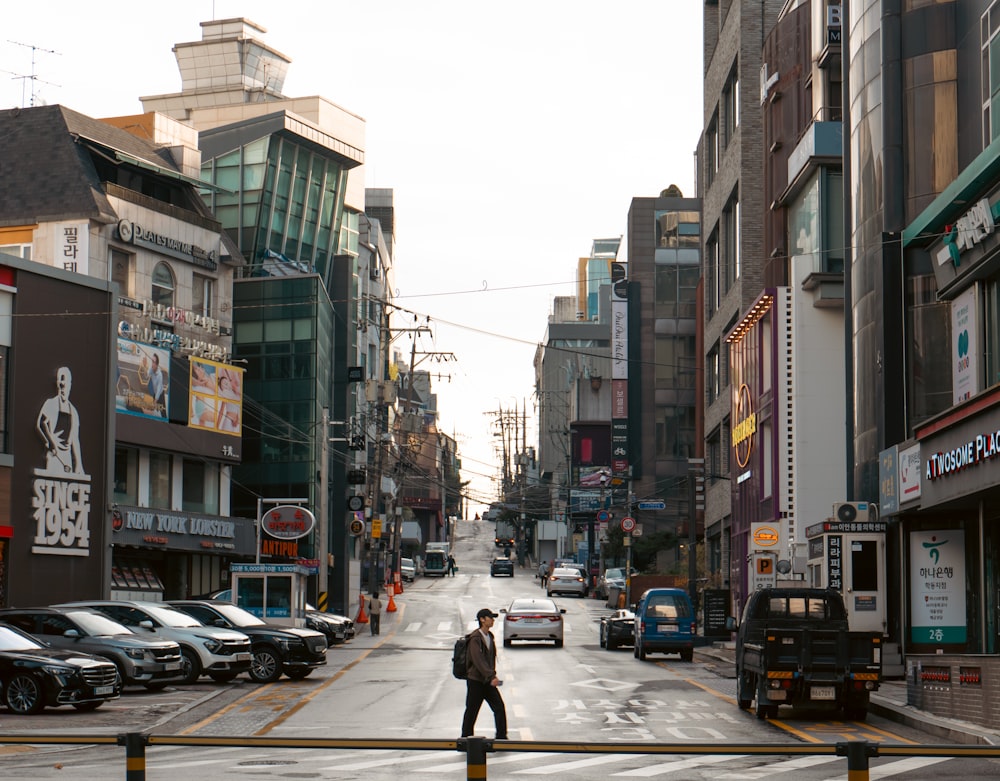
[665,623]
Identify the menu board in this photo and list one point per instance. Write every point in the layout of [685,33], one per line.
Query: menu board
[716,605]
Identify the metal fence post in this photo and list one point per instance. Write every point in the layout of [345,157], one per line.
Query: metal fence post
[475,758]
[857,753]
[135,755]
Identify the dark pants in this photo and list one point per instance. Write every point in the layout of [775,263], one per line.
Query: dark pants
[373,621]
[476,692]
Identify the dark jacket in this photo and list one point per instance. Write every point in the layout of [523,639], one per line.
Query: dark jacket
[482,660]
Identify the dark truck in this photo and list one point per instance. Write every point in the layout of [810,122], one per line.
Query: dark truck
[793,647]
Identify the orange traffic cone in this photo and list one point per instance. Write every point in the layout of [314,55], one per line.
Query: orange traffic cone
[399,584]
[391,607]
[362,616]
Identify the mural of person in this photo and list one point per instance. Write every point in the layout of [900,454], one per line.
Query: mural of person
[59,425]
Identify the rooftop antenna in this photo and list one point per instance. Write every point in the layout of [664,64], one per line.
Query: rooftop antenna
[33,78]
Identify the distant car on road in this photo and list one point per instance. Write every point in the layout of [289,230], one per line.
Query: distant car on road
[532,619]
[407,570]
[563,580]
[276,649]
[613,577]
[149,662]
[617,629]
[501,565]
[34,676]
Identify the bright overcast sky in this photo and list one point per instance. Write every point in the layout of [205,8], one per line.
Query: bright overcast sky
[513,134]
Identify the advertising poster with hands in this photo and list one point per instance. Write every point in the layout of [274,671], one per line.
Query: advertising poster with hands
[216,397]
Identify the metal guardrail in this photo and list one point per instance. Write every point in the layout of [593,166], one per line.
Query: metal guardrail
[857,752]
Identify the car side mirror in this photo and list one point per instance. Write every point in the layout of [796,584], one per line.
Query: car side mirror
[731,624]
[147,624]
[74,633]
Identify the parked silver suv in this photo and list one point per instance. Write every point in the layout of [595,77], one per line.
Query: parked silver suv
[149,662]
[222,654]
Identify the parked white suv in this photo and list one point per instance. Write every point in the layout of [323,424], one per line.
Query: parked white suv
[222,654]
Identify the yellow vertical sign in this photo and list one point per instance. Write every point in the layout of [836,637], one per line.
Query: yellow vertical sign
[376,528]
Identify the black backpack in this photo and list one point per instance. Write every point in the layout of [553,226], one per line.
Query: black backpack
[460,658]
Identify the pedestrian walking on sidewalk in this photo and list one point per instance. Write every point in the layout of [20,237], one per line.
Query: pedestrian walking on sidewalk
[482,682]
[374,613]
[452,566]
[543,573]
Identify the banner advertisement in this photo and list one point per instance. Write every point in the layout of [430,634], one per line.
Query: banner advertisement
[937,586]
[216,397]
[143,384]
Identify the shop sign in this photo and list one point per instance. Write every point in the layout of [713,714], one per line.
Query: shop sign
[134,233]
[745,427]
[969,230]
[982,448]
[288,522]
[937,586]
[763,536]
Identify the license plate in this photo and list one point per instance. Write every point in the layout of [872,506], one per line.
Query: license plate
[822,693]
[104,690]
[667,627]
[532,620]
[242,657]
[172,666]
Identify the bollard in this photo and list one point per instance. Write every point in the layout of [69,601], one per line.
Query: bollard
[857,753]
[135,755]
[362,617]
[475,758]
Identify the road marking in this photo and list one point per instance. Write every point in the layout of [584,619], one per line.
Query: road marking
[490,762]
[682,764]
[904,766]
[414,627]
[579,764]
[766,771]
[444,626]
[606,684]
[392,760]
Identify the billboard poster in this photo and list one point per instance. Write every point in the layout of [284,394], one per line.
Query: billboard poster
[964,347]
[216,397]
[142,386]
[937,586]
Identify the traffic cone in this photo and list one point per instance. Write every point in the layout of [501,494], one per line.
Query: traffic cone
[362,616]
[399,584]
[391,607]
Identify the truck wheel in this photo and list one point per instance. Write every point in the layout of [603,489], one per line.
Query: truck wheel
[642,653]
[744,690]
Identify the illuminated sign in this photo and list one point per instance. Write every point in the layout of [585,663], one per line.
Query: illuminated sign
[744,430]
[764,536]
[288,522]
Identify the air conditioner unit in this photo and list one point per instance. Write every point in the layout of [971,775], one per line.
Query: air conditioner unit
[373,271]
[852,512]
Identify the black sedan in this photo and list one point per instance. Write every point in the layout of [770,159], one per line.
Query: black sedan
[617,629]
[501,565]
[276,648]
[34,676]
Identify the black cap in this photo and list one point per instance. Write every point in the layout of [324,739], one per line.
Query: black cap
[486,612]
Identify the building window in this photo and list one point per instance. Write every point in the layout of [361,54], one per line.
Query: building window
[203,295]
[17,250]
[160,480]
[731,237]
[731,105]
[713,284]
[990,79]
[675,432]
[126,475]
[712,150]
[163,285]
[712,376]
[200,493]
[121,271]
[713,454]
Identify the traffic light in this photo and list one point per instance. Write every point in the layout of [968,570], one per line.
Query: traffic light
[357,442]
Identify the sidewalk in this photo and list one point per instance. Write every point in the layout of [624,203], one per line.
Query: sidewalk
[889,702]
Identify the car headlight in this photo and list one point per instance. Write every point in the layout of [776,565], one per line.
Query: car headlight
[212,644]
[58,670]
[135,653]
[287,643]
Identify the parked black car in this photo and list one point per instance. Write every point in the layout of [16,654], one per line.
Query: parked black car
[152,663]
[34,676]
[617,629]
[337,628]
[276,648]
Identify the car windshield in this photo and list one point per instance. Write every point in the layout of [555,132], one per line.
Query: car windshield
[170,617]
[237,615]
[533,606]
[615,572]
[11,640]
[97,624]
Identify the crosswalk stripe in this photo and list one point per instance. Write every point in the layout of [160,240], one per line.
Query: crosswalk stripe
[444,626]
[562,767]
[766,771]
[393,760]
[414,626]
[682,764]
[490,762]
[903,766]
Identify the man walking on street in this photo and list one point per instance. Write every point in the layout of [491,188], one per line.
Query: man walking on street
[543,573]
[451,565]
[482,681]
[374,612]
